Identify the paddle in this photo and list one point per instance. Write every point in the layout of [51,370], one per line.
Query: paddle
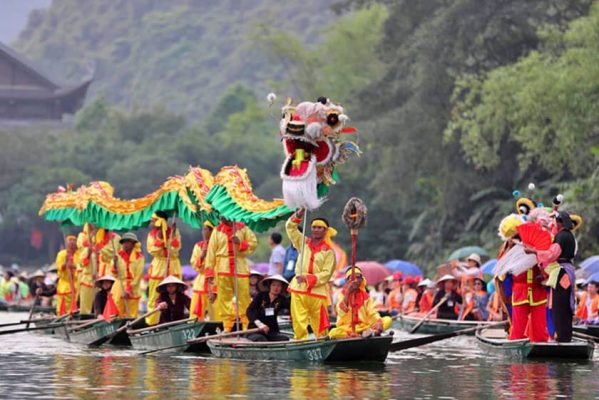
[26,321]
[428,314]
[104,339]
[585,336]
[203,339]
[35,328]
[406,344]
[37,296]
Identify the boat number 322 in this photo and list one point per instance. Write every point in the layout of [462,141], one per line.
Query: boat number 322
[188,334]
[314,354]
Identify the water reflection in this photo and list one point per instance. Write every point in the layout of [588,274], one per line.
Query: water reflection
[36,366]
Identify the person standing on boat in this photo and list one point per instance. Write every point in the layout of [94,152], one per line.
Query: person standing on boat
[277,254]
[66,265]
[356,310]
[172,300]
[200,305]
[104,302]
[309,287]
[164,246]
[130,262]
[266,307]
[447,293]
[226,259]
[588,307]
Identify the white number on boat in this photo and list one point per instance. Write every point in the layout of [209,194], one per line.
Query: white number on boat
[314,354]
[188,334]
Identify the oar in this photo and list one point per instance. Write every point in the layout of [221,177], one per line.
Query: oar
[203,339]
[26,321]
[37,296]
[35,328]
[406,344]
[581,335]
[104,339]
[428,314]
[88,323]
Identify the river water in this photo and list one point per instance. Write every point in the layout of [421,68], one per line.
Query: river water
[42,367]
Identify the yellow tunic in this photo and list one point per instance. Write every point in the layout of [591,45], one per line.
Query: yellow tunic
[222,260]
[66,290]
[200,305]
[309,299]
[159,268]
[129,274]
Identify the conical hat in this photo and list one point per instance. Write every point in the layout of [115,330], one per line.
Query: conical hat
[447,277]
[37,274]
[170,279]
[263,285]
[104,278]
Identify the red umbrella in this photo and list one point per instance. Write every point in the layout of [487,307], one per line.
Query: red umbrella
[373,271]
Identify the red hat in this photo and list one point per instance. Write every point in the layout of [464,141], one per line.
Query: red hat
[409,280]
[397,276]
[418,278]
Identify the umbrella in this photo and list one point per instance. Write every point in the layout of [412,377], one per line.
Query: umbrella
[592,278]
[464,252]
[405,267]
[487,267]
[373,271]
[188,272]
[590,265]
[261,267]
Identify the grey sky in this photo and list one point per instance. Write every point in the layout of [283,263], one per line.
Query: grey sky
[13,16]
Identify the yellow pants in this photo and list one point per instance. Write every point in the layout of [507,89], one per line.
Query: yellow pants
[205,309]
[63,304]
[152,297]
[343,331]
[132,308]
[86,299]
[307,310]
[224,306]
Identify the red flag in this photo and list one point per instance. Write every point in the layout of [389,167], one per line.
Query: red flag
[36,238]
[110,309]
[324,323]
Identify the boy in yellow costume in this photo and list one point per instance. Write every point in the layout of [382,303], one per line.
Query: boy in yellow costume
[130,261]
[229,245]
[164,247]
[96,246]
[200,305]
[309,287]
[66,290]
[355,303]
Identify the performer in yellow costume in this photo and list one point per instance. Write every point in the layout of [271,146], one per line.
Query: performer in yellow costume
[355,306]
[164,247]
[66,290]
[200,305]
[130,262]
[229,245]
[309,287]
[97,250]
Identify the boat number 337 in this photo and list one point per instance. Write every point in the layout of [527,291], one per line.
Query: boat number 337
[314,354]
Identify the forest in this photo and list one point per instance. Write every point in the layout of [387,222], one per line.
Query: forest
[457,103]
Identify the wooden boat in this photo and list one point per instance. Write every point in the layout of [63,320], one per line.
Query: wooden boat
[494,340]
[435,326]
[175,333]
[373,349]
[591,330]
[91,333]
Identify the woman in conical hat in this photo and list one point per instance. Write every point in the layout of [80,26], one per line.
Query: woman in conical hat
[172,300]
[103,302]
[447,285]
[264,309]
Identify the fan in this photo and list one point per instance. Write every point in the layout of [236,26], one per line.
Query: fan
[534,235]
[515,261]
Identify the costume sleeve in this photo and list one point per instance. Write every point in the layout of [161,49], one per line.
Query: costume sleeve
[546,257]
[253,311]
[322,277]
[248,242]
[341,308]
[60,262]
[137,270]
[372,314]
[176,244]
[210,261]
[195,257]
[295,236]
[154,245]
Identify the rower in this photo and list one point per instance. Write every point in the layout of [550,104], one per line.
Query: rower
[104,304]
[309,288]
[356,307]
[266,307]
[39,287]
[447,287]
[172,300]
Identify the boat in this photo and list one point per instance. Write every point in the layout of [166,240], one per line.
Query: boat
[26,308]
[174,334]
[495,341]
[436,325]
[91,333]
[372,349]
[591,330]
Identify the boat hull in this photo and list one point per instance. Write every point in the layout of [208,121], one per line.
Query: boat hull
[591,330]
[174,335]
[94,332]
[523,349]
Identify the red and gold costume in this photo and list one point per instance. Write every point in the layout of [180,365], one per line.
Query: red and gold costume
[165,262]
[129,273]
[224,262]
[200,304]
[529,306]
[309,299]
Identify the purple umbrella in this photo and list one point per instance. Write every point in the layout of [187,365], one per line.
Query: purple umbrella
[261,267]
[590,265]
[188,272]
